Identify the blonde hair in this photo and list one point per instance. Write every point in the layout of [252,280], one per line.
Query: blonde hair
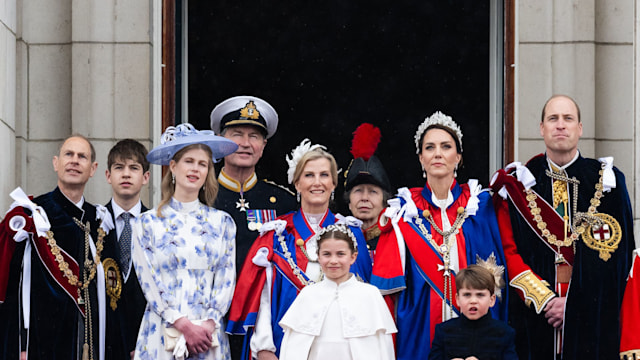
[315,155]
[206,195]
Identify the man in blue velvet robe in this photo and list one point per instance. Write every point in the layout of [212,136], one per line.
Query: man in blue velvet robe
[50,284]
[568,246]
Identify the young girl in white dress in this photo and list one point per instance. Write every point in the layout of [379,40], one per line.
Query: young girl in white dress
[339,318]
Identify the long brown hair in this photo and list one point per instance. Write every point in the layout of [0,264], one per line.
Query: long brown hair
[206,195]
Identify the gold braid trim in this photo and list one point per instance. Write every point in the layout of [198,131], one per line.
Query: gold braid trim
[535,291]
[64,266]
[630,355]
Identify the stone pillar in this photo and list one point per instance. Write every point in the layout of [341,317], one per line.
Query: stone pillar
[111,60]
[8,94]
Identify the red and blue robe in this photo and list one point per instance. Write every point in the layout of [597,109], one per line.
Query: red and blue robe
[285,285]
[415,292]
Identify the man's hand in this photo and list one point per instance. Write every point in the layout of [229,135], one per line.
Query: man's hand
[554,311]
[198,337]
[266,355]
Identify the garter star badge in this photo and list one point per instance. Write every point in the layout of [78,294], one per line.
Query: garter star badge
[603,237]
[113,280]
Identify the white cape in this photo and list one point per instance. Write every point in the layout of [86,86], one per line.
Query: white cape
[367,324]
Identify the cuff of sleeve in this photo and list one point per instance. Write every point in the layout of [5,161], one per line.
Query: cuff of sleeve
[534,290]
[171,315]
[214,315]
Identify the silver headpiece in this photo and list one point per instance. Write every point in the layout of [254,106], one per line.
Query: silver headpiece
[440,119]
[343,228]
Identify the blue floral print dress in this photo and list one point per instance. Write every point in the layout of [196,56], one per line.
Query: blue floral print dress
[185,262]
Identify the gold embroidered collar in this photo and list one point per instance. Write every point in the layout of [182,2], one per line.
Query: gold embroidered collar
[233,185]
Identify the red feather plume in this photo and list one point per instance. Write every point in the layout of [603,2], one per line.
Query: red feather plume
[365,141]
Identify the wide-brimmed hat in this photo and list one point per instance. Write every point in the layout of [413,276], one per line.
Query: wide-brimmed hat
[175,138]
[245,110]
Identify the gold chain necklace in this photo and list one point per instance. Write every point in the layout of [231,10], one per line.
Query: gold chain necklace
[581,219]
[444,249]
[92,265]
[294,267]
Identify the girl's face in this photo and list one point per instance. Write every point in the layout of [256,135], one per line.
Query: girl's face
[335,258]
[191,170]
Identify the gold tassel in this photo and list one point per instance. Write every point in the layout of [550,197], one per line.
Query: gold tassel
[85,352]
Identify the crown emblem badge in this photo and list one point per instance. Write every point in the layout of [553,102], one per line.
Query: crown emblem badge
[250,111]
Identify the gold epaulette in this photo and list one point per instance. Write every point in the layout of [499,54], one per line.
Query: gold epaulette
[535,291]
[630,355]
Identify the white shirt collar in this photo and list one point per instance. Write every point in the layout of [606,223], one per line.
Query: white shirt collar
[134,211]
[551,163]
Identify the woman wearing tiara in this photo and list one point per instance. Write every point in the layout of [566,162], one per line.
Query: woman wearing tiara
[428,234]
[284,258]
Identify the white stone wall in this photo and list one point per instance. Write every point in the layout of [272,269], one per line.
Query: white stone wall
[8,94]
[71,66]
[583,48]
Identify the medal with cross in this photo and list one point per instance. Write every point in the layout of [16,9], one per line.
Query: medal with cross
[603,235]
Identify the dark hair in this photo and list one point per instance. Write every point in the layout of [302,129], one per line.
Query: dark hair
[476,277]
[544,108]
[338,235]
[128,149]
[93,150]
[448,130]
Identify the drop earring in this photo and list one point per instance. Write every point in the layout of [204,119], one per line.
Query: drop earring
[333,193]
[424,173]
[173,179]
[298,196]
[455,171]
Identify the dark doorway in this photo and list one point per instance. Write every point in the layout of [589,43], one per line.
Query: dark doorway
[327,66]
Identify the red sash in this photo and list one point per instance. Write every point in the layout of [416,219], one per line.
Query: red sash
[44,253]
[429,260]
[555,222]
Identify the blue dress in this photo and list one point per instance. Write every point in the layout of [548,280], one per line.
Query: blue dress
[185,262]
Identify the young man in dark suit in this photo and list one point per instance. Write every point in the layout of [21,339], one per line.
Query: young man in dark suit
[127,172]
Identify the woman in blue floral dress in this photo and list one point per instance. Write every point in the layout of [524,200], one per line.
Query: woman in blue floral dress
[184,253]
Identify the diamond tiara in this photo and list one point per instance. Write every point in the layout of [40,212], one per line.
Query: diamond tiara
[439,119]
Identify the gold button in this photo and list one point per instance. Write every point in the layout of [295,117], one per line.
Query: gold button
[460,210]
[299,242]
[272,199]
[426,213]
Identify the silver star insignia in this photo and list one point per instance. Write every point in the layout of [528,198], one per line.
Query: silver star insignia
[242,205]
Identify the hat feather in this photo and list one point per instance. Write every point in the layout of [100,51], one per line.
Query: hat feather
[365,141]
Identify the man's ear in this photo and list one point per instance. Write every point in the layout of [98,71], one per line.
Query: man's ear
[94,167]
[145,178]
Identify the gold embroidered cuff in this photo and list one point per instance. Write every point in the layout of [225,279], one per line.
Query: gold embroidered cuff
[535,291]
[630,355]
